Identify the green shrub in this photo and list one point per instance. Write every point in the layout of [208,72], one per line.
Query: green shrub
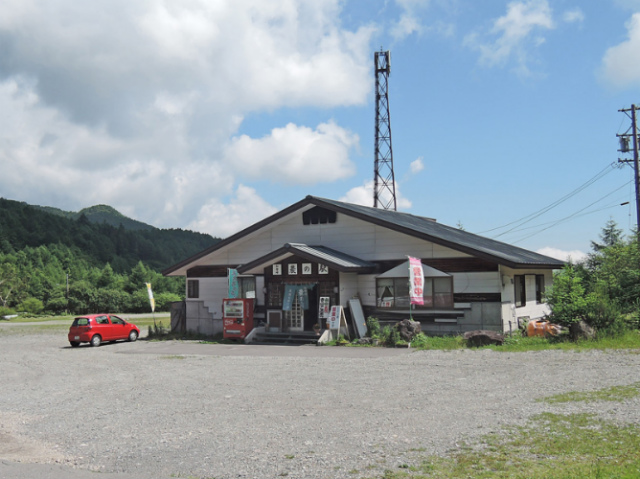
[157,330]
[31,306]
[390,336]
[4,311]
[373,327]
[567,298]
[604,315]
[57,305]
[420,341]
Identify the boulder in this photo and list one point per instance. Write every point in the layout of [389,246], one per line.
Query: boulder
[581,330]
[408,329]
[483,337]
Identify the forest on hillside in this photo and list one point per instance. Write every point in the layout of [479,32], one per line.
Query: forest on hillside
[53,263]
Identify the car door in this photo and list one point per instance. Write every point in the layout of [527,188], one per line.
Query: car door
[103,327]
[119,328]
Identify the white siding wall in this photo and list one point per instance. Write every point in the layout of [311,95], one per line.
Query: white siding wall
[367,289]
[349,235]
[488,282]
[348,288]
[531,309]
[204,314]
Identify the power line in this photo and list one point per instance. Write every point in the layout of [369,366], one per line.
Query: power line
[574,215]
[522,221]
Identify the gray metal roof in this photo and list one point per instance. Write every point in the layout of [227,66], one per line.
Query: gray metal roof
[454,238]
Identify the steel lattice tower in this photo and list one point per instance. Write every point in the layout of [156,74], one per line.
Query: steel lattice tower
[384,182]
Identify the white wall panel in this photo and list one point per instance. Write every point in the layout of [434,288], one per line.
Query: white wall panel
[348,287]
[367,289]
[488,282]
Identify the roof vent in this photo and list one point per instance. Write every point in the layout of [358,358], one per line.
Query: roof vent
[319,215]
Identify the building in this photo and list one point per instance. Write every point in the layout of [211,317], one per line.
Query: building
[320,252]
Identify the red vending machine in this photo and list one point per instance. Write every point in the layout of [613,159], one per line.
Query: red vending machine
[237,318]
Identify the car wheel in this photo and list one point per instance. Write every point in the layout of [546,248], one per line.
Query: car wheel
[74,344]
[133,335]
[96,341]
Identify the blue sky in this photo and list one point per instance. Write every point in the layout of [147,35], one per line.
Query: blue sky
[211,115]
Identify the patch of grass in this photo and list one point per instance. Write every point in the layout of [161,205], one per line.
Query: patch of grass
[447,343]
[37,329]
[550,446]
[172,356]
[614,393]
[517,343]
[558,446]
[40,318]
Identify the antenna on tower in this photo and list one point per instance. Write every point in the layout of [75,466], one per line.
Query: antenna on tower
[384,182]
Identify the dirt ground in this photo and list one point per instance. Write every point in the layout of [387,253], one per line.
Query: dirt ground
[183,409]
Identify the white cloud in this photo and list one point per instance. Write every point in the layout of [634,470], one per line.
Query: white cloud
[295,154]
[515,33]
[575,255]
[224,219]
[363,195]
[411,19]
[629,4]
[405,26]
[135,104]
[573,16]
[416,165]
[619,67]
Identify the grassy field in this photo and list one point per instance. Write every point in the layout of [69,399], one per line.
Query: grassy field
[54,324]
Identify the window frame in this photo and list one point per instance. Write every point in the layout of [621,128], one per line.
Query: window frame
[430,295]
[193,289]
[520,299]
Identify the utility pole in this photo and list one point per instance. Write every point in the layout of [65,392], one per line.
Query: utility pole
[632,133]
[384,182]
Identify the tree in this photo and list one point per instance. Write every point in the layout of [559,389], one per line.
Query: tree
[610,235]
[10,282]
[107,278]
[140,275]
[567,297]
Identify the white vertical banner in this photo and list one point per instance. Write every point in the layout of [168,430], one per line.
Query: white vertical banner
[152,301]
[416,281]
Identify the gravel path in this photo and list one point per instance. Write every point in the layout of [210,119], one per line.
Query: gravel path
[172,409]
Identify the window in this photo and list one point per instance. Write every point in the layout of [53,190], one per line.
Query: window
[275,294]
[247,287]
[520,290]
[394,293]
[442,293]
[520,285]
[193,288]
[539,288]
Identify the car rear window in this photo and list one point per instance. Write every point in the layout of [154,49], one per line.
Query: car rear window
[81,322]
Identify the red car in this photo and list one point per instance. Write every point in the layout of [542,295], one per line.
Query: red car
[96,328]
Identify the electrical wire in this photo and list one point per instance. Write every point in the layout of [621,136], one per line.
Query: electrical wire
[574,215]
[522,221]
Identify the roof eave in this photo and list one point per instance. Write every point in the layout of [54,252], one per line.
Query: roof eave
[227,241]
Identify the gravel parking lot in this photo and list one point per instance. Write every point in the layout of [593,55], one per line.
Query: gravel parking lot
[175,409]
